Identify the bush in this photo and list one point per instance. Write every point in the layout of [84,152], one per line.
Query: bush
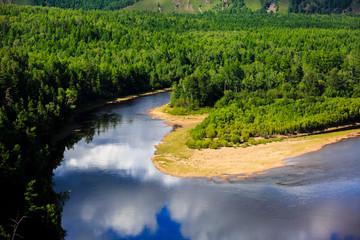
[245,136]
[198,144]
[224,143]
[198,133]
[262,141]
[215,145]
[235,138]
[210,133]
[206,143]
[245,145]
[191,144]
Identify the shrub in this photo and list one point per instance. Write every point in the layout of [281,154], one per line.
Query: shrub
[235,138]
[252,141]
[198,144]
[245,145]
[215,145]
[245,136]
[206,143]
[198,133]
[191,144]
[224,143]
[210,133]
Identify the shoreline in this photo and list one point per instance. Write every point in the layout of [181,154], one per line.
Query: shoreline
[72,125]
[124,99]
[173,157]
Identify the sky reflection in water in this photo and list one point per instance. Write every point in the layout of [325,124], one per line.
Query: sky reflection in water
[117,193]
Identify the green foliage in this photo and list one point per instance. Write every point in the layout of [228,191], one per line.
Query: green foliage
[282,6]
[199,6]
[195,91]
[275,62]
[187,111]
[198,133]
[215,145]
[245,117]
[30,197]
[316,6]
[253,4]
[235,138]
[3,234]
[52,61]
[206,143]
[86,5]
[191,144]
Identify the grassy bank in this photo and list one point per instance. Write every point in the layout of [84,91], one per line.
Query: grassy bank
[283,6]
[253,4]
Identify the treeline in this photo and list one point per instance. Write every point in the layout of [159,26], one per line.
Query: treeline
[53,61]
[229,6]
[86,5]
[237,119]
[238,7]
[319,6]
[291,63]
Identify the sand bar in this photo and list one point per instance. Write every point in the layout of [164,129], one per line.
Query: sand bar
[174,158]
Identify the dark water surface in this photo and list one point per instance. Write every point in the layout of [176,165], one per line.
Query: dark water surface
[117,193]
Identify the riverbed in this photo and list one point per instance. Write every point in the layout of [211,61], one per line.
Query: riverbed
[117,193]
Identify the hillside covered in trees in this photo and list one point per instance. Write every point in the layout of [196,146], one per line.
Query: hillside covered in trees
[201,6]
[76,4]
[54,61]
[320,7]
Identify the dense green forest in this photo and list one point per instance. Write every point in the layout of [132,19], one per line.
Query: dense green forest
[237,119]
[86,5]
[303,66]
[76,4]
[320,6]
[200,6]
[54,61]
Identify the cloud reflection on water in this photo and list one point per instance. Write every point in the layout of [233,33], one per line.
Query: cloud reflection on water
[205,211]
[121,150]
[269,214]
[125,208]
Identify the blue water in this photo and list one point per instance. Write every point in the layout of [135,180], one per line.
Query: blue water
[117,193]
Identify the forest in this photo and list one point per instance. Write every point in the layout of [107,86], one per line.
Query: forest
[291,6]
[243,118]
[86,5]
[319,6]
[54,61]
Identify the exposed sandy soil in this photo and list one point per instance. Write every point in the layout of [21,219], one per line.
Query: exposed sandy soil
[173,157]
[136,96]
[179,120]
[272,8]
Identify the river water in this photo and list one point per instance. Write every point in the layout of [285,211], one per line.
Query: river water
[117,193]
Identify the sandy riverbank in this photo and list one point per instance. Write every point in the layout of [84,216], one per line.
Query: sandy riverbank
[124,99]
[173,157]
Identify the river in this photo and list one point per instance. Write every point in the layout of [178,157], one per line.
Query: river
[117,193]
